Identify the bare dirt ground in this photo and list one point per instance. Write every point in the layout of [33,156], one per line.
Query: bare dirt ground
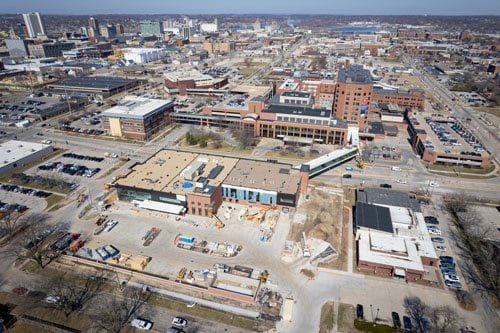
[323,218]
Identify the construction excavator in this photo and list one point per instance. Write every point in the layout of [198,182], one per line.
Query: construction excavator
[360,162]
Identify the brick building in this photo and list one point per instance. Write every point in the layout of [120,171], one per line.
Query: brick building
[353,94]
[413,98]
[137,118]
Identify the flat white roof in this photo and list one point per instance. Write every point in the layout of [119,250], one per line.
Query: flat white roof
[328,157]
[411,225]
[135,107]
[192,74]
[394,251]
[14,150]
[162,207]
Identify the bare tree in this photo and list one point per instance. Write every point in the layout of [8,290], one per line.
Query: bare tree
[9,223]
[70,296]
[444,319]
[33,244]
[481,264]
[117,312]
[417,310]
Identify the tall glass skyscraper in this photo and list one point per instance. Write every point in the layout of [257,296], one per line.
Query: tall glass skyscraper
[34,24]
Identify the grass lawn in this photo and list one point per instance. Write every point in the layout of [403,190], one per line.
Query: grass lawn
[224,147]
[491,110]
[250,64]
[160,301]
[22,326]
[326,321]
[53,200]
[412,80]
[459,171]
[117,166]
[248,71]
[366,326]
[208,313]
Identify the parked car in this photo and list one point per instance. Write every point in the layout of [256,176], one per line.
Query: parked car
[110,225]
[447,266]
[359,312]
[450,271]
[452,278]
[141,324]
[407,324]
[395,320]
[52,299]
[441,248]
[222,267]
[446,259]
[180,322]
[452,284]
[431,220]
[347,176]
[434,231]
[437,239]
[386,185]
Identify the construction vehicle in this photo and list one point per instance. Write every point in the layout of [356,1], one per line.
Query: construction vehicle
[181,275]
[150,236]
[217,222]
[360,162]
[263,276]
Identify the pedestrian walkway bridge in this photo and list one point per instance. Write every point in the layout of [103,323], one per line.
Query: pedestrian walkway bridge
[328,161]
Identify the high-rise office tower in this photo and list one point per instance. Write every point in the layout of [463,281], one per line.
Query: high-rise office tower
[94,25]
[353,93]
[151,28]
[34,24]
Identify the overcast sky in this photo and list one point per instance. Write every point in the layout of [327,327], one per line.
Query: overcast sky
[349,7]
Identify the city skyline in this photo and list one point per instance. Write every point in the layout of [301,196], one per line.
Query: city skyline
[356,7]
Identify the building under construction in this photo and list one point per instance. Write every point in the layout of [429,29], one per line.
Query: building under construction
[179,182]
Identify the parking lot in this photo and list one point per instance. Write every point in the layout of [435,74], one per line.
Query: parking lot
[17,107]
[24,190]
[438,224]
[450,136]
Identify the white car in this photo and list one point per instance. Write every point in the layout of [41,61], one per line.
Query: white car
[180,322]
[396,168]
[142,324]
[441,248]
[110,225]
[52,299]
[401,181]
[452,278]
[434,231]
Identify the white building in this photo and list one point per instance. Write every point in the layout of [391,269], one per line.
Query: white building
[15,153]
[34,24]
[142,55]
[208,27]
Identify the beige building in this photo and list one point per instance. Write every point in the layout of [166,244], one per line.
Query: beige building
[213,46]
